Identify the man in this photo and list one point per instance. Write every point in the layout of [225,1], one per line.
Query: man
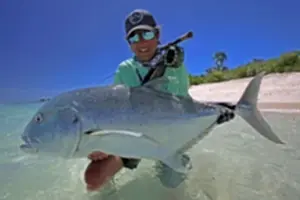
[142,34]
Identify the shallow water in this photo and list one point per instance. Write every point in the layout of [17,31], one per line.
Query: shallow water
[232,163]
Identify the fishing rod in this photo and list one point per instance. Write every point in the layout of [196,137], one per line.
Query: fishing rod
[182,38]
[157,70]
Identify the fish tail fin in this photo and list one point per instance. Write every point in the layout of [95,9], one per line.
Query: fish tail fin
[247,109]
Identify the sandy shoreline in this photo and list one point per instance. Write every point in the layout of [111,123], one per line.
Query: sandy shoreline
[277,92]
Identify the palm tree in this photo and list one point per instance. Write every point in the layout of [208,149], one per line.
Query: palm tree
[220,58]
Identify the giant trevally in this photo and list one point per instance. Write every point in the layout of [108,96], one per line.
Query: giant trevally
[133,122]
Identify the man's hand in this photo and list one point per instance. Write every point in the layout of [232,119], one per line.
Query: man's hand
[101,169]
[174,56]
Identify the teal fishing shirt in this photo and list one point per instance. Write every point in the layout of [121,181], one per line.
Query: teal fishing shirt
[127,74]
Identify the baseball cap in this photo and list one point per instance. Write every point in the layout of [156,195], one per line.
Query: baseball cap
[139,19]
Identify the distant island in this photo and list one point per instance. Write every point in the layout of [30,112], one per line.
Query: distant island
[287,62]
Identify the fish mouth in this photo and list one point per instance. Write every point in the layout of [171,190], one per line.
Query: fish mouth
[27,146]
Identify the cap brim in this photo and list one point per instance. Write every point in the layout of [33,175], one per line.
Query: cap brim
[140,27]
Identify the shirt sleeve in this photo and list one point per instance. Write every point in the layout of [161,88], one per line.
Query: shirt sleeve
[117,77]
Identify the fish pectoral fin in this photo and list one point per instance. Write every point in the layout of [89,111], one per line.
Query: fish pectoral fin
[102,132]
[125,143]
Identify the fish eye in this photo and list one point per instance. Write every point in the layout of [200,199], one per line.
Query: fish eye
[38,118]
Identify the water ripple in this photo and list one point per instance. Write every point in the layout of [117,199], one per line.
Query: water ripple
[233,163]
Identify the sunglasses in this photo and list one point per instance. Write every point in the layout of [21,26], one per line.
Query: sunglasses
[146,35]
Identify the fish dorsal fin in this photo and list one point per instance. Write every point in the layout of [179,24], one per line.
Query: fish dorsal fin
[158,83]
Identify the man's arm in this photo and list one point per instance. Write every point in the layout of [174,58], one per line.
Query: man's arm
[126,75]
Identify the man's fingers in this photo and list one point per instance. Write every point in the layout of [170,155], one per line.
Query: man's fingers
[97,155]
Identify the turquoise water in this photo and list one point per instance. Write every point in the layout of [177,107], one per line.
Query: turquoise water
[232,163]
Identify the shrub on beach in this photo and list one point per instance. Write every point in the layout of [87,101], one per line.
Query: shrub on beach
[287,62]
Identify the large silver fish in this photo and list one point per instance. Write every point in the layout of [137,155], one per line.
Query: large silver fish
[138,122]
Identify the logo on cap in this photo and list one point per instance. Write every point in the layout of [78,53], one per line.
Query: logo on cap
[136,18]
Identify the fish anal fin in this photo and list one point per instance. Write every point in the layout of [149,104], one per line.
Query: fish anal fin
[179,162]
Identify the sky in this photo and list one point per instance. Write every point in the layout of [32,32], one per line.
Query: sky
[47,47]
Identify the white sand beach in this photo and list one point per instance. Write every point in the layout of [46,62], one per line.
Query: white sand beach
[278,91]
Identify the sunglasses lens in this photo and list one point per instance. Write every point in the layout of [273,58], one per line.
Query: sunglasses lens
[148,35]
[134,39]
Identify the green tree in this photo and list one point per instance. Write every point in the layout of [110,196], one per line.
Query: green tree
[220,57]
[287,62]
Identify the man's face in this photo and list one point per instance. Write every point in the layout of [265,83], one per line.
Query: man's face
[143,43]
